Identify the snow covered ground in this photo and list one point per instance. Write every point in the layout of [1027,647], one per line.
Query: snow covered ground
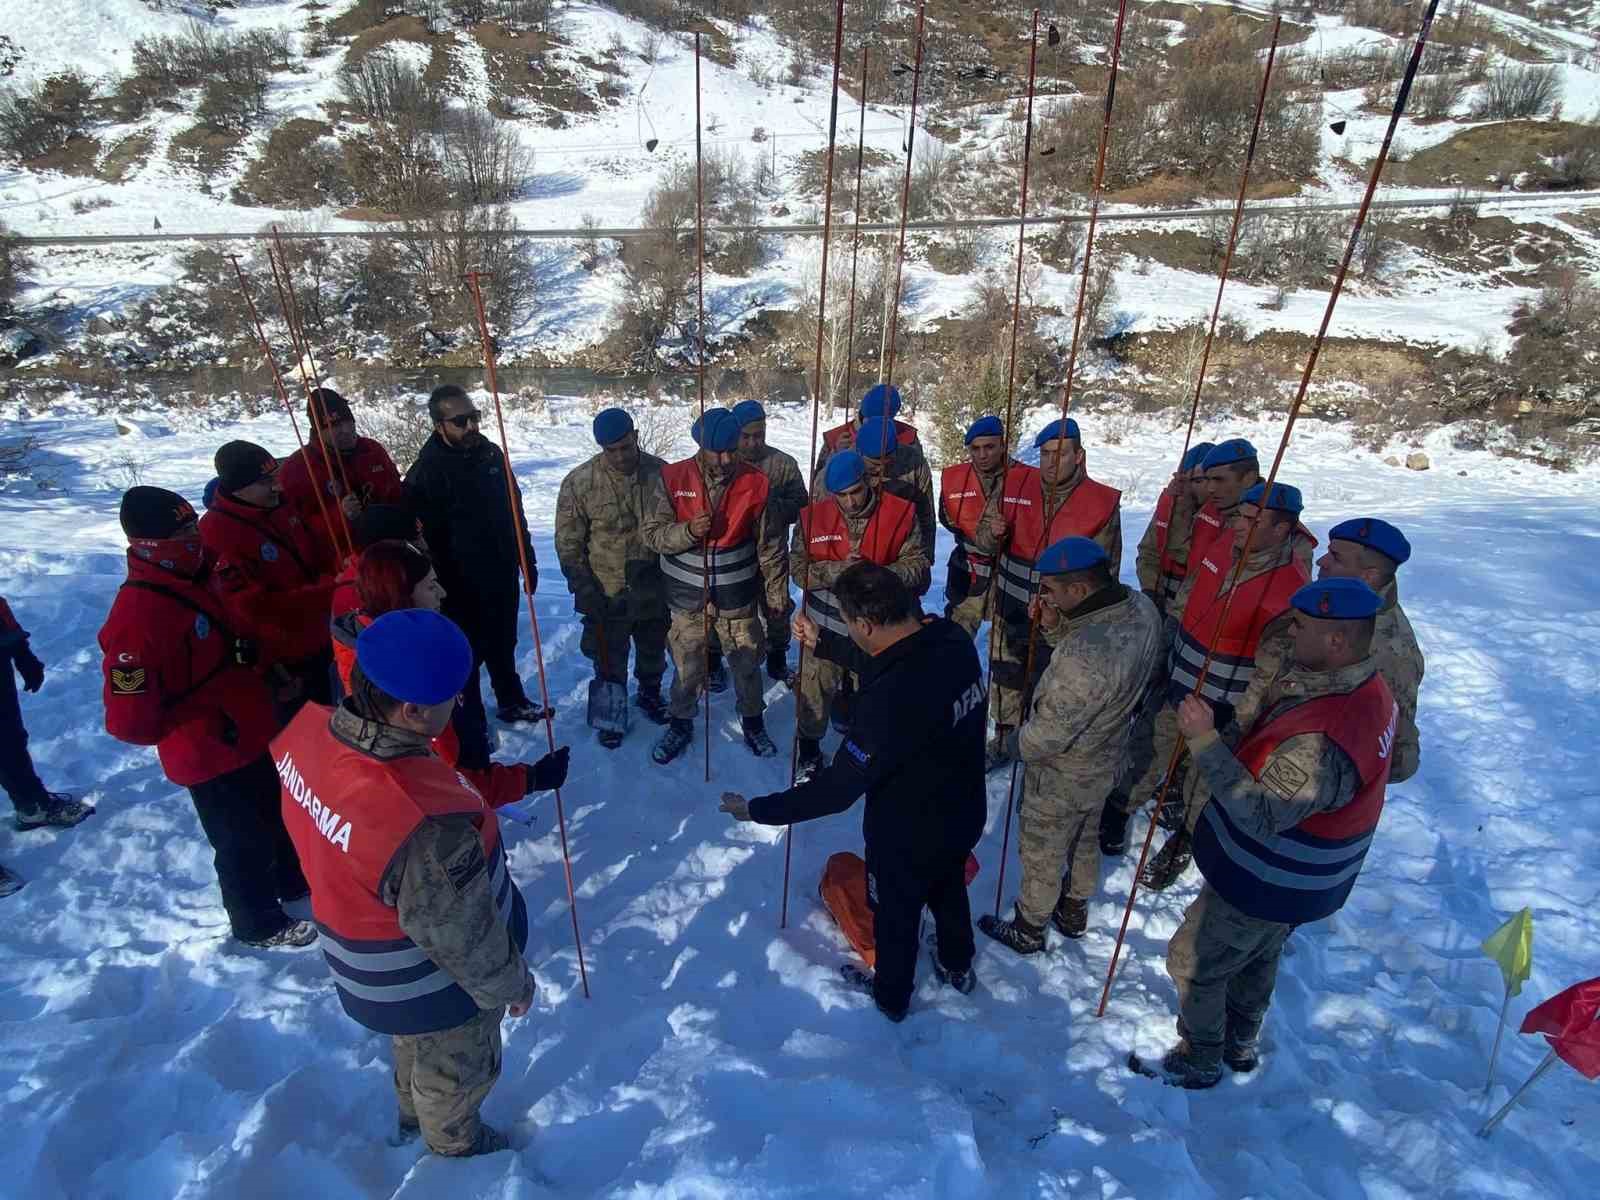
[719,1056]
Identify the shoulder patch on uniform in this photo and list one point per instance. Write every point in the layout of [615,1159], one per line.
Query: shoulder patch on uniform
[1284,778]
[465,867]
[127,683]
[269,552]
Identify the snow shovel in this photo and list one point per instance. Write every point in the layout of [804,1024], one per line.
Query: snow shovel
[608,699]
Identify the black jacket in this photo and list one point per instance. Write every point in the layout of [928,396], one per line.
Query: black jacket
[915,748]
[460,498]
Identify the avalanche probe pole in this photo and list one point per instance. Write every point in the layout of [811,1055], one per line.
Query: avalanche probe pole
[1066,402]
[886,354]
[816,411]
[1277,461]
[520,521]
[700,376]
[1222,279]
[855,248]
[277,384]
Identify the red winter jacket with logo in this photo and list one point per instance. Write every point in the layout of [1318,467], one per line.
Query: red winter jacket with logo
[278,574]
[368,469]
[171,679]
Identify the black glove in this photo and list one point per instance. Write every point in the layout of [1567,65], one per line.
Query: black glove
[31,669]
[550,772]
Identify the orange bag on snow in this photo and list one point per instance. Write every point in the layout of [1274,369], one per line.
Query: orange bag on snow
[843,889]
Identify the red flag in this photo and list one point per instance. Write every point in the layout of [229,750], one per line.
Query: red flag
[1568,1022]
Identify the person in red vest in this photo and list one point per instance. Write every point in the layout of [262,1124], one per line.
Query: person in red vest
[1163,556]
[178,677]
[1289,817]
[1247,651]
[882,401]
[423,927]
[970,507]
[278,573]
[373,524]
[1231,468]
[858,523]
[337,455]
[706,519]
[898,470]
[1077,507]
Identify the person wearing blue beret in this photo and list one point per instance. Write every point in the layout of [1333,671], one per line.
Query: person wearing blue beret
[881,400]
[1231,468]
[616,582]
[706,519]
[786,496]
[898,469]
[1290,814]
[1372,550]
[1163,558]
[1105,641]
[971,507]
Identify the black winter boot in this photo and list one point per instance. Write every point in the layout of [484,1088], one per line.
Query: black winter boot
[57,808]
[609,738]
[1113,826]
[10,882]
[716,673]
[1186,1067]
[1071,917]
[1013,933]
[652,703]
[677,739]
[962,981]
[778,664]
[1239,1051]
[808,761]
[293,935]
[755,736]
[1171,861]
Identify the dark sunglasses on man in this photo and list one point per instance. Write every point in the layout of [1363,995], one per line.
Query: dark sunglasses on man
[462,420]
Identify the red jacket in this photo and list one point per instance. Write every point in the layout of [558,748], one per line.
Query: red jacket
[277,572]
[368,469]
[346,599]
[171,680]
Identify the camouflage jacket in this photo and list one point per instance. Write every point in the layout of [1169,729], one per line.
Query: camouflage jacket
[609,570]
[908,477]
[912,567]
[1103,655]
[1399,658]
[788,490]
[663,533]
[1180,532]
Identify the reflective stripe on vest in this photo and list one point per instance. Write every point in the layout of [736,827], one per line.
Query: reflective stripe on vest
[828,539]
[734,575]
[1305,873]
[732,557]
[1256,603]
[1084,514]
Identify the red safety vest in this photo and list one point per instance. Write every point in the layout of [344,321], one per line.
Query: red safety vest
[904,434]
[1213,534]
[828,540]
[348,814]
[1257,603]
[962,501]
[735,574]
[1084,514]
[1170,580]
[1305,873]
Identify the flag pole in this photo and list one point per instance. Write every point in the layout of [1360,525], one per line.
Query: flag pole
[1488,1126]
[1499,1033]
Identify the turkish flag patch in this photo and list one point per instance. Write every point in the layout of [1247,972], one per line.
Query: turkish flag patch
[127,683]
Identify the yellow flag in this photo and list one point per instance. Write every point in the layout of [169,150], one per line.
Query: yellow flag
[1512,947]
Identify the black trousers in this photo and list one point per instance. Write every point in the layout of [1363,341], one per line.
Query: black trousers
[257,868]
[17,775]
[898,890]
[487,610]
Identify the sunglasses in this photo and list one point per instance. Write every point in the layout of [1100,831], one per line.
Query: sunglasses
[462,420]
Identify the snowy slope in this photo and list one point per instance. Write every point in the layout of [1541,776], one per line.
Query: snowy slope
[721,1057]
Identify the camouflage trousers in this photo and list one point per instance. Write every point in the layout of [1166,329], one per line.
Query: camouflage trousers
[1058,840]
[970,614]
[1224,964]
[610,656]
[742,645]
[442,1079]
[1155,733]
[1006,671]
[820,681]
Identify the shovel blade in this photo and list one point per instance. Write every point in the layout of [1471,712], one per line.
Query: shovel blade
[608,706]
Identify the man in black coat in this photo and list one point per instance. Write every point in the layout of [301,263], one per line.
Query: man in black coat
[457,489]
[915,747]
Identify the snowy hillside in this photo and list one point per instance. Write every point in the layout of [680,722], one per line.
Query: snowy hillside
[721,1057]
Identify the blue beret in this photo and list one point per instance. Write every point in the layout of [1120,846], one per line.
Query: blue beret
[844,470]
[209,497]
[990,426]
[1226,453]
[1374,534]
[747,412]
[877,438]
[881,400]
[612,425]
[723,430]
[415,655]
[1070,554]
[1057,429]
[1196,455]
[1285,498]
[1337,600]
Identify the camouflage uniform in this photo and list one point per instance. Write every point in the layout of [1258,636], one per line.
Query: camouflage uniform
[439,887]
[1399,658]
[820,678]
[907,476]
[915,455]
[971,612]
[1224,962]
[784,502]
[1075,740]
[615,580]
[1180,533]
[738,630]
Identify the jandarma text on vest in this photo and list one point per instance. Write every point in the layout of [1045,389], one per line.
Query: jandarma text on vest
[329,823]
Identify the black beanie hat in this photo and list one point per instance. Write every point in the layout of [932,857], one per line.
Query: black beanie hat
[239,464]
[383,523]
[334,405]
[154,513]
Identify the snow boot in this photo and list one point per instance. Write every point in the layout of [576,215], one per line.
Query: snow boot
[1171,861]
[609,738]
[778,664]
[1013,933]
[10,882]
[489,1141]
[862,982]
[526,713]
[808,761]
[1071,917]
[1114,826]
[1239,1051]
[677,739]
[652,704]
[716,673]
[293,935]
[57,808]
[1185,1067]
[755,736]
[963,981]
